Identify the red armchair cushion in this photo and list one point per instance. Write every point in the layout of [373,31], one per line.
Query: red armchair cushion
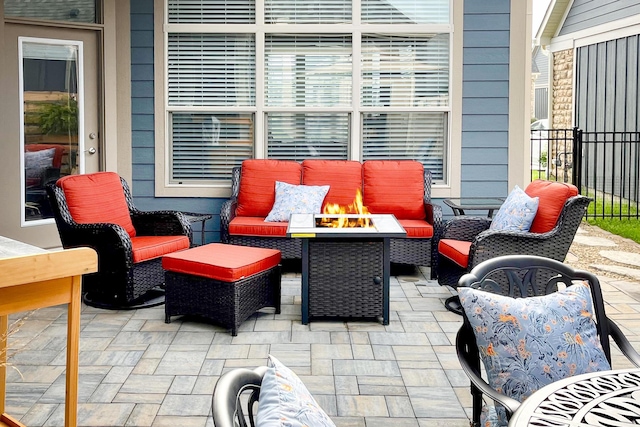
[456,250]
[417,228]
[254,226]
[394,187]
[553,196]
[344,178]
[258,184]
[218,261]
[96,198]
[149,247]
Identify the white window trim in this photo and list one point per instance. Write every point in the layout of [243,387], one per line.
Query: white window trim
[162,149]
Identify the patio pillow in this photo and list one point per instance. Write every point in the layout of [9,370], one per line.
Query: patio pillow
[296,199]
[527,343]
[285,401]
[516,213]
[36,161]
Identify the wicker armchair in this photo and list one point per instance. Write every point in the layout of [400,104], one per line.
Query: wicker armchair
[130,273]
[521,276]
[486,244]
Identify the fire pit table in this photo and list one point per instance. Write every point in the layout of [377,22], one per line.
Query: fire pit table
[345,271]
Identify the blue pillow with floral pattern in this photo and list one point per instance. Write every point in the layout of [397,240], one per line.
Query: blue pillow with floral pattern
[285,401]
[516,213]
[527,343]
[292,199]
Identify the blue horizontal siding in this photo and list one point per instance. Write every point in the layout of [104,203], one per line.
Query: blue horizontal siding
[485,139]
[585,14]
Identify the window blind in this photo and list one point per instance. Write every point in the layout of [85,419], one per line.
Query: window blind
[211,11]
[308,70]
[405,71]
[307,12]
[211,69]
[405,11]
[300,136]
[407,135]
[205,147]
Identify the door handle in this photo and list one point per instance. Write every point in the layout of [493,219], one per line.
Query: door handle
[91,150]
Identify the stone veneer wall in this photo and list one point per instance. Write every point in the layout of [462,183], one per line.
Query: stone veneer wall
[562,90]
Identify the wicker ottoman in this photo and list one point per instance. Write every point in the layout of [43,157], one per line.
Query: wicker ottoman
[220,282]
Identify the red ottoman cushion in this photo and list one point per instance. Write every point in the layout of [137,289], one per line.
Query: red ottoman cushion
[219,261]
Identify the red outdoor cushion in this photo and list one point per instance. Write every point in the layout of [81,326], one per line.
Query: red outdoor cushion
[149,247]
[344,178]
[97,197]
[456,250]
[254,226]
[417,228]
[394,187]
[219,261]
[553,196]
[258,184]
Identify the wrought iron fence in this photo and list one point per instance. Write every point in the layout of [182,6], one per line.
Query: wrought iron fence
[603,165]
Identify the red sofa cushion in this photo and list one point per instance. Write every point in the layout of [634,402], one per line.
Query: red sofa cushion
[218,261]
[553,196]
[254,226]
[149,247]
[97,197]
[344,178]
[456,250]
[394,187]
[417,228]
[258,184]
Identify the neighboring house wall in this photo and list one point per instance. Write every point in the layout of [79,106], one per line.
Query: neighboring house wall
[562,90]
[585,14]
[485,110]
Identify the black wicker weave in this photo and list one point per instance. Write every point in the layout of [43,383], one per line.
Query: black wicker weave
[119,283]
[412,251]
[487,244]
[345,278]
[226,303]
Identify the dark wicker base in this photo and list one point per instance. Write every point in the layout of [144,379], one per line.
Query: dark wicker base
[346,279]
[152,298]
[289,248]
[226,303]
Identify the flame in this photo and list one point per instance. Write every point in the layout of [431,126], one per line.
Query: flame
[357,207]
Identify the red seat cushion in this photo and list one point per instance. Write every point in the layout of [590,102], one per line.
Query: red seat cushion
[553,196]
[258,184]
[456,250]
[394,187]
[344,178]
[417,228]
[218,261]
[252,226]
[149,247]
[97,197]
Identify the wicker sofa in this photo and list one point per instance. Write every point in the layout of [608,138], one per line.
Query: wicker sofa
[399,187]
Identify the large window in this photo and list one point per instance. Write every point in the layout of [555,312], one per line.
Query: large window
[333,79]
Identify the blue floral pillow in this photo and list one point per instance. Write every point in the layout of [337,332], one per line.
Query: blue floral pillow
[527,343]
[516,213]
[285,401]
[296,199]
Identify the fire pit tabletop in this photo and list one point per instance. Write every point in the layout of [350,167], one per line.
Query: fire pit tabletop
[384,225]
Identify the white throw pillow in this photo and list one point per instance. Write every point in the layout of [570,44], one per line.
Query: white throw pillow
[292,199]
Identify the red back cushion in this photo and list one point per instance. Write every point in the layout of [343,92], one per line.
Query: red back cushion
[394,187]
[344,178]
[552,196]
[97,197]
[57,156]
[258,184]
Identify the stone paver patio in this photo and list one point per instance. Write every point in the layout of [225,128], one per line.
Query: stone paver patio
[137,370]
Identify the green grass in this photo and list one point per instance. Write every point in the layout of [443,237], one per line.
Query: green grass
[625,227]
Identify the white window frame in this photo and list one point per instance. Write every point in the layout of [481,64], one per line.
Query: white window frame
[163,187]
